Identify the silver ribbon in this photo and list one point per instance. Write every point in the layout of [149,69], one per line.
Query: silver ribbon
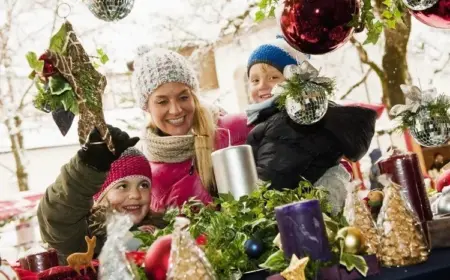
[414,99]
[306,72]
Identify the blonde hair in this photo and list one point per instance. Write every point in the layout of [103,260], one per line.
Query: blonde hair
[203,128]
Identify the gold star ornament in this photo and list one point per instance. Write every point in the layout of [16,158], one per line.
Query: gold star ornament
[296,269]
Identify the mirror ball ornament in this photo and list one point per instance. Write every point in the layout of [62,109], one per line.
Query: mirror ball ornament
[419,5]
[308,108]
[436,16]
[429,131]
[318,26]
[110,10]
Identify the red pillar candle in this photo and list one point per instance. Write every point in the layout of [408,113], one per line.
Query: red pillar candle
[407,173]
[42,261]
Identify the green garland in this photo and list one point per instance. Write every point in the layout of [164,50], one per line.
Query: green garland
[296,87]
[55,92]
[438,108]
[251,217]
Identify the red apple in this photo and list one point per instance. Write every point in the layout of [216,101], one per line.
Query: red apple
[157,258]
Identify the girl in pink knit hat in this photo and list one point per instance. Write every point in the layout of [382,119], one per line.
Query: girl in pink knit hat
[92,183]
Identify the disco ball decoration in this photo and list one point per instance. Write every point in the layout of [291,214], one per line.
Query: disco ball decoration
[110,10]
[428,130]
[319,26]
[437,16]
[309,107]
[419,5]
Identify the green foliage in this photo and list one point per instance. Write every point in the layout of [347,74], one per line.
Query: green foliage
[392,12]
[296,87]
[58,42]
[438,107]
[35,64]
[55,92]
[252,216]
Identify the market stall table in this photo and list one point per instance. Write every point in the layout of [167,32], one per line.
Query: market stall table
[436,268]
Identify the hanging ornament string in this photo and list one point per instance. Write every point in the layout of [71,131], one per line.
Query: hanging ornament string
[63,10]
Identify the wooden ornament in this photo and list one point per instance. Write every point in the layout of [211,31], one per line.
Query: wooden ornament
[78,260]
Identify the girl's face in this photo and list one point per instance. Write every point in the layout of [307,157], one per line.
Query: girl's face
[263,78]
[131,196]
[172,108]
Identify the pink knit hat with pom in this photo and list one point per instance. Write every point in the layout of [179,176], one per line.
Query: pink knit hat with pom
[132,163]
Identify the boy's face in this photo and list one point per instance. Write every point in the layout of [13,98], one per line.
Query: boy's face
[262,78]
[131,196]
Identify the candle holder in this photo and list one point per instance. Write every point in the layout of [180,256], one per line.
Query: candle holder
[302,230]
[235,170]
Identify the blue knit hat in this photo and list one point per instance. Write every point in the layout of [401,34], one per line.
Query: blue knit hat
[278,54]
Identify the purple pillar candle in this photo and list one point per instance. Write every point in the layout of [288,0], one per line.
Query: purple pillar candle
[302,230]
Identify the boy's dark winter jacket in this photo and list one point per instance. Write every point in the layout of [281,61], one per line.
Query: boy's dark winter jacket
[286,151]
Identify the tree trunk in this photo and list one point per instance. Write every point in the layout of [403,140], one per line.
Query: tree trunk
[16,138]
[14,128]
[394,63]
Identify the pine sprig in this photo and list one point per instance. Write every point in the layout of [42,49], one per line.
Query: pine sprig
[438,107]
[296,87]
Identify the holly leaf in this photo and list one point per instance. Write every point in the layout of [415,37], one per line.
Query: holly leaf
[350,262]
[58,40]
[35,64]
[275,262]
[58,85]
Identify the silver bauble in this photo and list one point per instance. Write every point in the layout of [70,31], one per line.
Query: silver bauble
[444,203]
[419,5]
[429,131]
[309,107]
[110,10]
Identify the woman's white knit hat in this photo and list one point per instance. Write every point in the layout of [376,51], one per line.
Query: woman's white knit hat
[155,67]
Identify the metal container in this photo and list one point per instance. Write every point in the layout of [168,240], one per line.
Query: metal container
[235,170]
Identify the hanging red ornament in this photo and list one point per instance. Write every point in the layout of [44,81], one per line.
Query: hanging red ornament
[320,26]
[437,16]
[157,258]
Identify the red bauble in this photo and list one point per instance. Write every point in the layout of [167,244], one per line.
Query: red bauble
[443,181]
[437,16]
[157,258]
[319,26]
[202,239]
[137,257]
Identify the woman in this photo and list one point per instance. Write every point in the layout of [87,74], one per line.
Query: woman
[182,132]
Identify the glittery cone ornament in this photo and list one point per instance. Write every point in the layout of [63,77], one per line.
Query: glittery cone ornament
[358,215]
[402,239]
[187,260]
[114,264]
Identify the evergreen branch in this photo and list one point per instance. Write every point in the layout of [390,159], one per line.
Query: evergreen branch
[360,82]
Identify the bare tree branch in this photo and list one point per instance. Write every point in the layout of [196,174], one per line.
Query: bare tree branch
[363,56]
[7,168]
[238,21]
[443,66]
[22,99]
[360,82]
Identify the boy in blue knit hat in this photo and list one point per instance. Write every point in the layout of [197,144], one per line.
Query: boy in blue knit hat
[265,68]
[286,152]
